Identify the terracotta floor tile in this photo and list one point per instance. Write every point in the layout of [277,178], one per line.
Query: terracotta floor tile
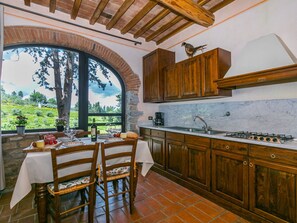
[199,214]
[212,212]
[170,196]
[172,219]
[230,217]
[118,216]
[155,217]
[143,208]
[162,200]
[173,209]
[187,217]
[190,200]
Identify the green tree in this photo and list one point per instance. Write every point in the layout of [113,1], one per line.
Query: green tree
[38,97]
[20,94]
[64,64]
[13,93]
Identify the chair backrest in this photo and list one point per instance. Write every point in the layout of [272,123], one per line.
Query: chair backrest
[119,154]
[74,162]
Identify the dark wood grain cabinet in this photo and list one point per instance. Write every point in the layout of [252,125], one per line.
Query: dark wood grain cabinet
[153,79]
[230,171]
[259,182]
[195,77]
[197,161]
[273,183]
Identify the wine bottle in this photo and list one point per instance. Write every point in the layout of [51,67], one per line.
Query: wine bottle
[93,131]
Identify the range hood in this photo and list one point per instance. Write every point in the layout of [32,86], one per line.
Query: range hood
[266,60]
[261,54]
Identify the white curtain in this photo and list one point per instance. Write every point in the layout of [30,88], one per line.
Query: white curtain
[2,175]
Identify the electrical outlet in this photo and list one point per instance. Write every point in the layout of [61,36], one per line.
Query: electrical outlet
[150,118]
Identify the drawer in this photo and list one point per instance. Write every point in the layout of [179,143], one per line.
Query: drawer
[158,133]
[229,146]
[144,131]
[175,136]
[274,154]
[197,140]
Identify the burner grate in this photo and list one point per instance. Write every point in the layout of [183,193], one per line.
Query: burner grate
[259,136]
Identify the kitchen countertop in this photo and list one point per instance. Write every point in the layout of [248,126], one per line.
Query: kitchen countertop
[287,145]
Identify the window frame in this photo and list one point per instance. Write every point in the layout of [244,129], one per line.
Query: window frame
[83,87]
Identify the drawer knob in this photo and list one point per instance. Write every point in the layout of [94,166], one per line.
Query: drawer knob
[272,156]
[245,163]
[227,147]
[251,164]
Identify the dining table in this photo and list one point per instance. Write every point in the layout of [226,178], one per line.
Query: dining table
[37,169]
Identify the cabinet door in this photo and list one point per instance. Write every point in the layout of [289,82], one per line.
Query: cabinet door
[198,165]
[230,177]
[273,190]
[215,64]
[171,82]
[191,78]
[151,78]
[174,157]
[158,151]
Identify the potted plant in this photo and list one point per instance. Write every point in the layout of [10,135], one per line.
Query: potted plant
[21,122]
[60,124]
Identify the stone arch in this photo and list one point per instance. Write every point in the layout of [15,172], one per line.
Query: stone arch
[16,35]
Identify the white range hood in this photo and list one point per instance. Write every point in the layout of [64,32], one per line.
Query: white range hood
[261,54]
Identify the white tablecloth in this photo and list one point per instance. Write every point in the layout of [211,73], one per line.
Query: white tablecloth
[37,168]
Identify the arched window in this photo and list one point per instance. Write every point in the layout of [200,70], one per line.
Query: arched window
[45,83]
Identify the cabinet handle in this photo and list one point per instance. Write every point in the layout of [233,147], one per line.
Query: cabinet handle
[245,163]
[251,164]
[273,156]
[227,147]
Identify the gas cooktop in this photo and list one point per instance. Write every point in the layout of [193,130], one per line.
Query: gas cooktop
[264,137]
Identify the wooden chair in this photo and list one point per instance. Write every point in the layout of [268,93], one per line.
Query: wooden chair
[118,163]
[74,169]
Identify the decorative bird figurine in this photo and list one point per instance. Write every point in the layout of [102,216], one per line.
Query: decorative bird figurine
[191,50]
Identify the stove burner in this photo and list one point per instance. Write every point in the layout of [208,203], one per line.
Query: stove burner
[259,136]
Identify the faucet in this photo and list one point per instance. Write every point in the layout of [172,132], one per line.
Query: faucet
[205,127]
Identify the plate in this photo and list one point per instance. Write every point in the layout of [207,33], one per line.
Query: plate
[75,143]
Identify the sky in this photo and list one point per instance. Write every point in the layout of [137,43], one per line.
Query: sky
[17,76]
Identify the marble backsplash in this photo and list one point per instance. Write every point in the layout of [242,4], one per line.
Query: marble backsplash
[271,116]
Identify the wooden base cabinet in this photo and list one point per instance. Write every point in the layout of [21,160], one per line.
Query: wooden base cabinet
[158,148]
[230,171]
[197,161]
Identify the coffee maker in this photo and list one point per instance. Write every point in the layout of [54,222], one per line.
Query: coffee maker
[159,119]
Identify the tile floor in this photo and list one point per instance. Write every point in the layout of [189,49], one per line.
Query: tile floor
[158,200]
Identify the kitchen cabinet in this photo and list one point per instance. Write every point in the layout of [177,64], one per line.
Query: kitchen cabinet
[230,171]
[158,148]
[257,182]
[195,77]
[197,161]
[273,183]
[153,79]
[175,153]
[171,86]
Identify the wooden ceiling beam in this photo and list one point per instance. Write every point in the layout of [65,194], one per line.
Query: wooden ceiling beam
[152,22]
[52,6]
[27,2]
[175,31]
[148,7]
[188,24]
[100,7]
[163,28]
[75,9]
[203,2]
[190,10]
[125,6]
[220,5]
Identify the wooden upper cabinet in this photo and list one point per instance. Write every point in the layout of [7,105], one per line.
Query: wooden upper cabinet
[171,82]
[153,80]
[191,75]
[195,78]
[216,63]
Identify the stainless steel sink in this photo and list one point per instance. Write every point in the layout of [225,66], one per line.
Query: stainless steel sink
[197,130]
